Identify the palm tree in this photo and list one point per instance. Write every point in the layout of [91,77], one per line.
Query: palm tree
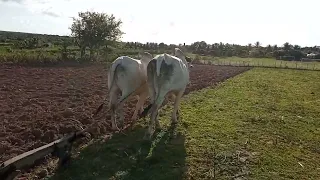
[269,48]
[221,46]
[257,44]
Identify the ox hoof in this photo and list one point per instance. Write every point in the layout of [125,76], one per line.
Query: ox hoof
[133,119]
[174,121]
[158,127]
[131,127]
[115,128]
[147,136]
[122,125]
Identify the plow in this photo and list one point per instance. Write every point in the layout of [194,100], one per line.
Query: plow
[60,148]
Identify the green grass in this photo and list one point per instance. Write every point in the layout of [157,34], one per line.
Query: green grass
[262,124]
[258,62]
[54,55]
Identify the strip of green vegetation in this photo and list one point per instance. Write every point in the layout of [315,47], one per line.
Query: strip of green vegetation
[262,124]
[258,62]
[59,55]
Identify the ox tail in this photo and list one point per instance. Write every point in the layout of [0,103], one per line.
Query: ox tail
[158,66]
[122,100]
[112,72]
[111,79]
[153,72]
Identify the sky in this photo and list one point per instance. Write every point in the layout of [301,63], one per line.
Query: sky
[177,21]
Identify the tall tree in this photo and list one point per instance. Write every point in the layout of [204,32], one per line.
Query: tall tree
[269,48]
[257,44]
[296,47]
[93,29]
[286,46]
[275,47]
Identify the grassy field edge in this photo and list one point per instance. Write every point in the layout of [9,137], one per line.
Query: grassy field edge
[262,124]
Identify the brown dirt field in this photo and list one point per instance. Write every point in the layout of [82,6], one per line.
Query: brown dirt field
[40,105]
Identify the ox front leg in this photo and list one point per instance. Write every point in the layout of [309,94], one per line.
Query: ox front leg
[176,107]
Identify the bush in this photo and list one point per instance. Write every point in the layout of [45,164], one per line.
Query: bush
[9,49]
[27,58]
[297,54]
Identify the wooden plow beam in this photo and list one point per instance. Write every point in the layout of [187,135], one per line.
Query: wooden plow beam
[60,148]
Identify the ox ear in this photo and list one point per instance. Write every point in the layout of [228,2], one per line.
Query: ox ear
[178,53]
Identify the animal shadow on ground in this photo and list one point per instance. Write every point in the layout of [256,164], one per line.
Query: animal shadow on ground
[128,157]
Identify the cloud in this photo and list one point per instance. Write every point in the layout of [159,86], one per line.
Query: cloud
[17,1]
[50,13]
[26,1]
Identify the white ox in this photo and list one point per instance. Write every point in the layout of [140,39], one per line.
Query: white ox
[128,76]
[167,74]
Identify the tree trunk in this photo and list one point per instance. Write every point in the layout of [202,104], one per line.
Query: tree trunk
[91,53]
[82,52]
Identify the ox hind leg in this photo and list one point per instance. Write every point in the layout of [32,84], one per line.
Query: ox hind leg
[154,116]
[124,97]
[176,106]
[117,106]
[114,91]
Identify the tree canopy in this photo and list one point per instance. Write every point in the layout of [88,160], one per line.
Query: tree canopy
[94,29]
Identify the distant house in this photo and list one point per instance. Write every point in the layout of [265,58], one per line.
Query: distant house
[311,55]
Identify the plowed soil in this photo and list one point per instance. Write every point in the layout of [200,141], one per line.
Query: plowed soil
[40,105]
